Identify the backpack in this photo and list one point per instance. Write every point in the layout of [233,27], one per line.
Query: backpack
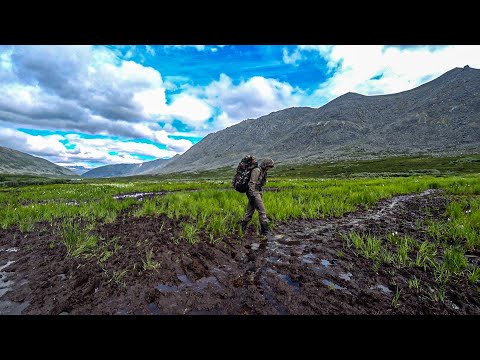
[244,170]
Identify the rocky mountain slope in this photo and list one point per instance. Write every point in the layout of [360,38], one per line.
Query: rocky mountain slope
[19,163]
[438,117]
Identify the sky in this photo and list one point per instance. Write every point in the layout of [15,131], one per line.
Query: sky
[82,105]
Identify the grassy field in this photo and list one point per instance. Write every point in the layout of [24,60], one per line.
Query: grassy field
[209,209]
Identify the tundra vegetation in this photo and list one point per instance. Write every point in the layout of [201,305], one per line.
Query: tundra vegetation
[209,210]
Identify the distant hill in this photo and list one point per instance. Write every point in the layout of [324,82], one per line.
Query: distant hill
[439,117]
[79,170]
[119,170]
[19,163]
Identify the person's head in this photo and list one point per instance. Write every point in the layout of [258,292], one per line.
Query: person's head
[267,164]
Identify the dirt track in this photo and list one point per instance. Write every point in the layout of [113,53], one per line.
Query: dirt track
[303,268]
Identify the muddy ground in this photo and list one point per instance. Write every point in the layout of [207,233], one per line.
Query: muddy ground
[304,267]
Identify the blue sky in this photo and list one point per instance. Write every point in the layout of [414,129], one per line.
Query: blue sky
[97,105]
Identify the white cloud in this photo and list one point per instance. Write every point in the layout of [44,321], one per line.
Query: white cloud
[32,144]
[291,58]
[69,84]
[150,50]
[398,68]
[189,109]
[197,47]
[255,97]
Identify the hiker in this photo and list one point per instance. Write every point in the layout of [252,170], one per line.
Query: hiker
[258,178]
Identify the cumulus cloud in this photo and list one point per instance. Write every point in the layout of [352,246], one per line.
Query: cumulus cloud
[376,69]
[76,83]
[252,98]
[189,109]
[33,144]
[89,150]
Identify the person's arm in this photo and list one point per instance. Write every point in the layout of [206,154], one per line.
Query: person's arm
[253,181]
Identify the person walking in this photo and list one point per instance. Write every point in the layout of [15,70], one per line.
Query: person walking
[258,178]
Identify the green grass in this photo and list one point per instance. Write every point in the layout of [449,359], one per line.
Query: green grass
[77,240]
[386,166]
[149,263]
[442,252]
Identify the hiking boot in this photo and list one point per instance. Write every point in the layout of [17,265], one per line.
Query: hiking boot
[264,229]
[244,225]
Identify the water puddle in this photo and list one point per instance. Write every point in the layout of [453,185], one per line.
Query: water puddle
[5,284]
[203,283]
[331,284]
[325,263]
[198,286]
[140,195]
[6,265]
[345,276]
[309,258]
[289,242]
[166,288]
[296,285]
[381,287]
[12,308]
[184,279]
[273,259]
[153,308]
[10,250]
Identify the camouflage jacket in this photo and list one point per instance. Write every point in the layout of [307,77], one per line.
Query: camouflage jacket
[258,178]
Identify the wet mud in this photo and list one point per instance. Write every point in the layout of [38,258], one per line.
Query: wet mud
[303,267]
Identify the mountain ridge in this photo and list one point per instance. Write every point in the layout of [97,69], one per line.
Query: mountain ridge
[15,162]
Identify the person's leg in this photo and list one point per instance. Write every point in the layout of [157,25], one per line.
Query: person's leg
[262,214]
[248,213]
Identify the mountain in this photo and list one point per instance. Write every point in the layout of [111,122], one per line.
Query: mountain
[79,170]
[441,116]
[119,170]
[19,163]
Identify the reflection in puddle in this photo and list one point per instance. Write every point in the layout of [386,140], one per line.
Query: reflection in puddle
[136,195]
[289,242]
[199,286]
[9,307]
[184,279]
[166,288]
[287,278]
[345,276]
[12,308]
[6,265]
[384,289]
[325,263]
[273,259]
[5,285]
[153,308]
[331,284]
[10,250]
[308,258]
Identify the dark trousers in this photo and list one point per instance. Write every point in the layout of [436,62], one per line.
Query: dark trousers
[256,203]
